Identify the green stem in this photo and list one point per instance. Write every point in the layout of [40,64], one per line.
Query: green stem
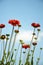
[12,49]
[0,40]
[5,48]
[32,38]
[37,62]
[10,39]
[40,53]
[20,56]
[3,52]
[32,61]
[32,55]
[16,54]
[34,49]
[6,45]
[39,57]
[0,31]
[29,48]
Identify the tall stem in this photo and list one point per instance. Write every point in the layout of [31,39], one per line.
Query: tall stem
[20,56]
[0,31]
[32,60]
[0,40]
[32,37]
[5,48]
[10,39]
[6,45]
[32,55]
[12,49]
[39,58]
[3,52]
[16,54]
[30,47]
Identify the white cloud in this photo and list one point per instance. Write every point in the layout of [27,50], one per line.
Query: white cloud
[41,34]
[27,35]
[24,35]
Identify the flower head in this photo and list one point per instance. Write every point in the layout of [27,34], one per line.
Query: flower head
[15,49]
[38,29]
[19,25]
[7,34]
[21,41]
[24,52]
[35,25]
[41,48]
[38,25]
[16,31]
[17,22]
[34,34]
[2,25]
[14,22]
[38,58]
[2,37]
[25,46]
[34,43]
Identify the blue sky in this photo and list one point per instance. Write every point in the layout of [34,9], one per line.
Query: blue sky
[27,11]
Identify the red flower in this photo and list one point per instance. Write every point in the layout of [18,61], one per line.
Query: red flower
[14,22]
[35,25]
[34,43]
[17,22]
[38,25]
[2,25]
[25,46]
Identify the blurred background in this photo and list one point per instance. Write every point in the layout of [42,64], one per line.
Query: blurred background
[26,11]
